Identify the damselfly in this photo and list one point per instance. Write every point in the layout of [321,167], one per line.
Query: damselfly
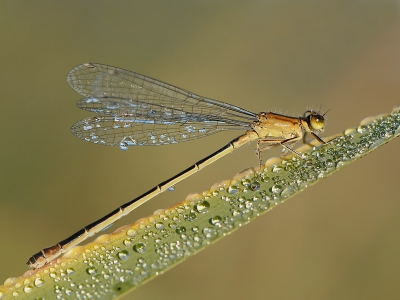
[136,110]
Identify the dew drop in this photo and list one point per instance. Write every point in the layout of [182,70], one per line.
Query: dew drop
[209,232]
[131,232]
[172,225]
[123,146]
[216,221]
[362,128]
[68,292]
[202,207]
[139,248]
[123,255]
[376,144]
[108,226]
[264,177]
[264,206]
[248,204]
[127,242]
[38,282]
[287,191]
[87,127]
[28,289]
[180,230]
[233,189]
[190,128]
[341,164]
[277,169]
[236,213]
[171,188]
[246,182]
[70,271]
[276,189]
[349,131]
[106,276]
[215,193]
[91,271]
[159,225]
[191,217]
[255,186]
[329,163]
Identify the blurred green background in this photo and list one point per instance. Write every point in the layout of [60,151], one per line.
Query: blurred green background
[337,240]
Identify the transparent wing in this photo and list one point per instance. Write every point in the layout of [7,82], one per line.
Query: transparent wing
[162,110]
[121,131]
[99,80]
[138,110]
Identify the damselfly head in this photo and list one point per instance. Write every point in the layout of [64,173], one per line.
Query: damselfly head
[315,121]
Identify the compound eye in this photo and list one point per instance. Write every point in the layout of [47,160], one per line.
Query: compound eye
[317,122]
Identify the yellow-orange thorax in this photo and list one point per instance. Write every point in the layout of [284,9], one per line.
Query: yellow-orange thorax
[270,124]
